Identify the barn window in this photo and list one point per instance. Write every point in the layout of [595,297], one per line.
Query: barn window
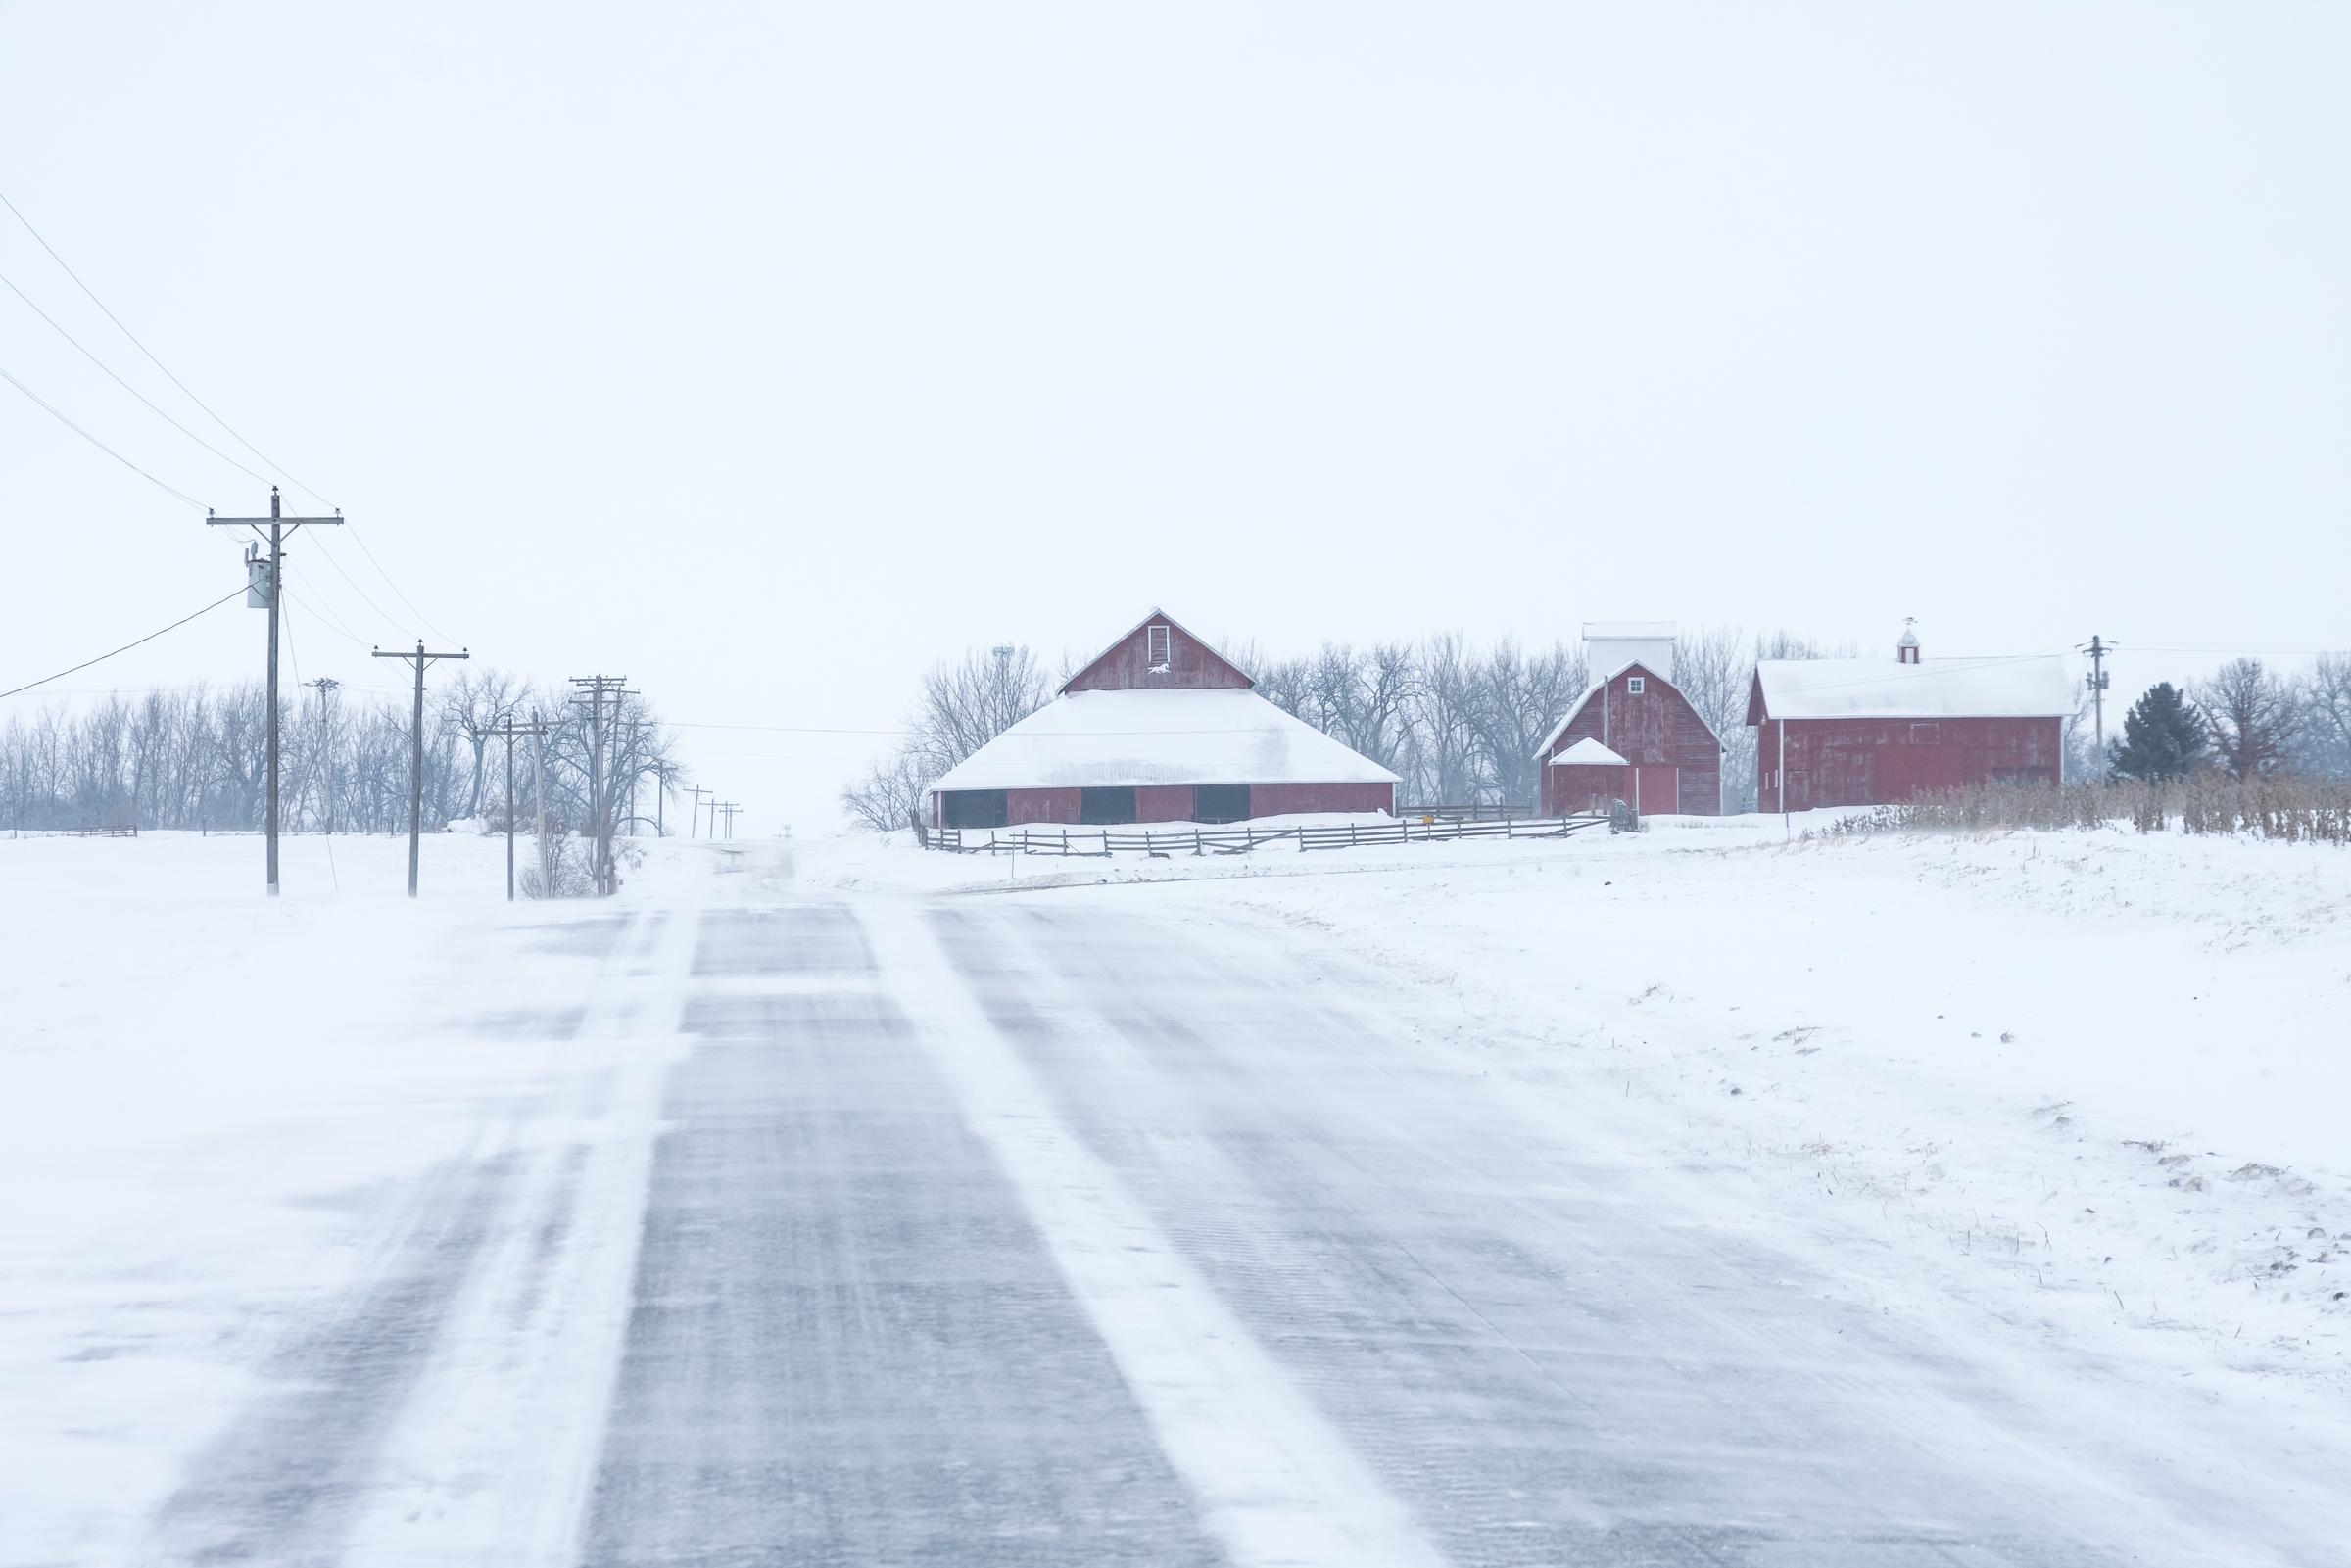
[1635,685]
[1155,647]
[1105,806]
[1926,734]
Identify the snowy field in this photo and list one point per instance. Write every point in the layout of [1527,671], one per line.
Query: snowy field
[1695,1195]
[217,1111]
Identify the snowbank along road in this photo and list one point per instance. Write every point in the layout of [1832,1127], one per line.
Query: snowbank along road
[1010,1230]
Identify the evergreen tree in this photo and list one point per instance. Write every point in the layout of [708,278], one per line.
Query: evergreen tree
[2163,737]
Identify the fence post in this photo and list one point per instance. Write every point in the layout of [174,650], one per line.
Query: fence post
[1351,839]
[1195,843]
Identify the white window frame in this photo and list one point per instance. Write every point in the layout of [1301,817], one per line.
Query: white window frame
[1159,645]
[1635,685]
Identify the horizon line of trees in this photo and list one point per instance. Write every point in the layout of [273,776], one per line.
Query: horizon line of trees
[196,757]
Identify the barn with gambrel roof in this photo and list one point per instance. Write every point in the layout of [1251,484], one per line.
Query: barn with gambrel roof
[1632,735]
[1158,727]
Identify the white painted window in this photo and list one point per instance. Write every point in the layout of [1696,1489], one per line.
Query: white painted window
[1155,645]
[1635,685]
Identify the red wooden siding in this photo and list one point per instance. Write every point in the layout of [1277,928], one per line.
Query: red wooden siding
[1041,805]
[1656,731]
[1163,803]
[1192,665]
[1289,799]
[1874,762]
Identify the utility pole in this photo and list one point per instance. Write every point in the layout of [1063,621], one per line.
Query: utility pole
[599,818]
[2098,681]
[730,808]
[326,686]
[695,822]
[510,728]
[547,868]
[279,527]
[421,659]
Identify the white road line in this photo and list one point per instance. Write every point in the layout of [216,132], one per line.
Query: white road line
[1277,1483]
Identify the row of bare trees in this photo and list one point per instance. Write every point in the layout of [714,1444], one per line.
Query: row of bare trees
[1458,721]
[2264,720]
[195,758]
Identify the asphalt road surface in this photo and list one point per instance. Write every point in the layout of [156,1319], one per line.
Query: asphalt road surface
[1033,1231]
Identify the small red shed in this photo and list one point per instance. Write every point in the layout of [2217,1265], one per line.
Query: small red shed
[1635,736]
[1871,732]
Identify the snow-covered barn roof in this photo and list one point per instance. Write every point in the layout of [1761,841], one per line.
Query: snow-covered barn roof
[1092,740]
[1588,753]
[2038,685]
[1559,729]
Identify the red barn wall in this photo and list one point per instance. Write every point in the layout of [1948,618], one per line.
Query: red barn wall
[1874,762]
[1193,666]
[1656,731]
[1163,803]
[1288,799]
[1039,805]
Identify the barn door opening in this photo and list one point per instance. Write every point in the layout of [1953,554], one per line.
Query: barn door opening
[1221,803]
[1106,806]
[976,808]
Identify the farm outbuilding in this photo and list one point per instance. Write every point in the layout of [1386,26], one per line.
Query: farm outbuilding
[1872,732]
[1158,726]
[1632,735]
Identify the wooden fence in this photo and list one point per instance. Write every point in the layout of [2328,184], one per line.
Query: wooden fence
[1103,842]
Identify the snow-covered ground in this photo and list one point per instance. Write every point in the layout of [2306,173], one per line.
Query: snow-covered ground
[216,1110]
[2099,1079]
[1508,1199]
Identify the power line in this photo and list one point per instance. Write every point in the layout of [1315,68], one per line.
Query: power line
[360,540]
[94,441]
[389,619]
[327,618]
[265,458]
[267,461]
[127,386]
[125,648]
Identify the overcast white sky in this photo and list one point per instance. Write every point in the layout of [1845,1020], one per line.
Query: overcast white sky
[768,354]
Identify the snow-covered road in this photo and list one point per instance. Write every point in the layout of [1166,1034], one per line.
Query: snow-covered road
[1033,1230]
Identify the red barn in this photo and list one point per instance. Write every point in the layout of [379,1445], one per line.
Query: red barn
[1633,737]
[1870,731]
[1160,726]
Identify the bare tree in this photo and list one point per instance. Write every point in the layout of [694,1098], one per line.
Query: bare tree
[964,705]
[1521,698]
[2252,715]
[2323,745]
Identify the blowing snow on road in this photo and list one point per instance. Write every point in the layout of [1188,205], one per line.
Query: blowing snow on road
[763,1219]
